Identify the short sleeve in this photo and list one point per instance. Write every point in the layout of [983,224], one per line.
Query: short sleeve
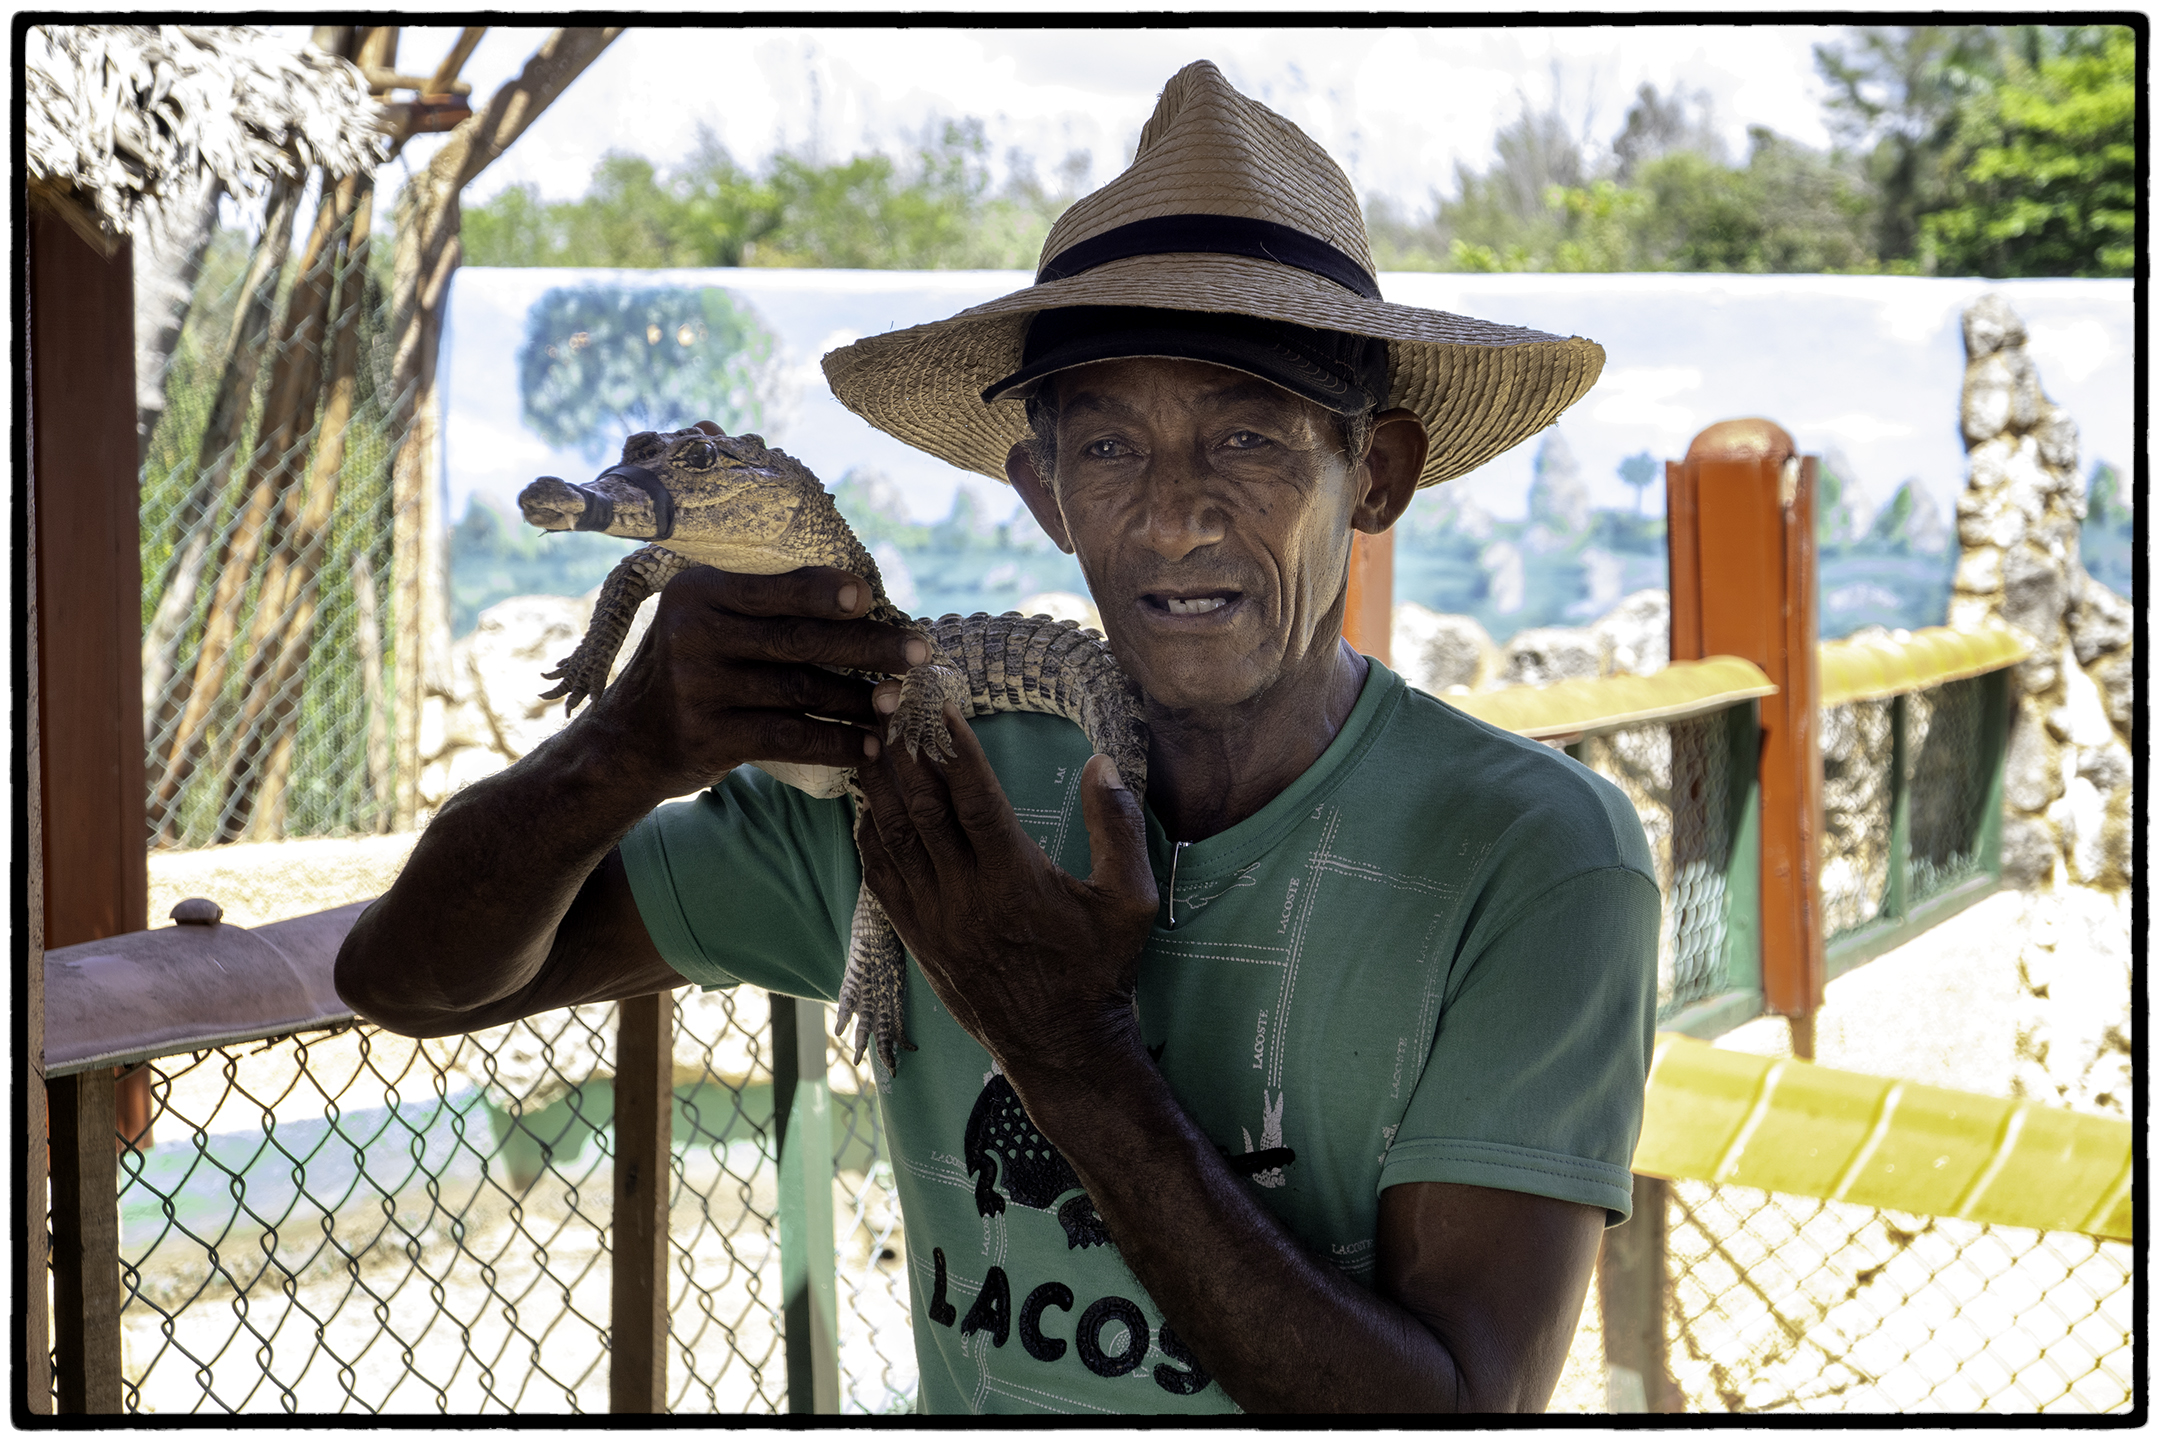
[751,881]
[1535,1078]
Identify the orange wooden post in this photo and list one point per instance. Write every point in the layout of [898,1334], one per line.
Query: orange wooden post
[1369,612]
[1740,512]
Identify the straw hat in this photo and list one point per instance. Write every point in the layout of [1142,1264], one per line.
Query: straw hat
[1227,207]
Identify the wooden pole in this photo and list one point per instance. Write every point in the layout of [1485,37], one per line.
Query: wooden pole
[1632,1286]
[1742,513]
[94,879]
[644,1124]
[1369,608]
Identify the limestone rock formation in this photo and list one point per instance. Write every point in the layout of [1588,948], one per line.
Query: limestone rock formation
[1636,634]
[491,713]
[1544,654]
[2068,816]
[1436,652]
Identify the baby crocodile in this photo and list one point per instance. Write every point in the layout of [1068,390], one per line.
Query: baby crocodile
[733,502]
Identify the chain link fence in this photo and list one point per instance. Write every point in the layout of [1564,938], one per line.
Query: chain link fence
[266,543]
[1781,1304]
[1927,748]
[353,1222]
[1679,778]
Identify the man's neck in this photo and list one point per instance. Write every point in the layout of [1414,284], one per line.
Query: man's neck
[1208,770]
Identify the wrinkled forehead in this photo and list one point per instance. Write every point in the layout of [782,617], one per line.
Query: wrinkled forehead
[1167,385]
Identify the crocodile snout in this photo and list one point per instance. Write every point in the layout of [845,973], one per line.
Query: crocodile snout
[550,503]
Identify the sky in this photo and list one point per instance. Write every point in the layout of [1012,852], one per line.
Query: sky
[1399,108]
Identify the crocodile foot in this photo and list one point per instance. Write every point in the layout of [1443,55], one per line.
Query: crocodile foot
[582,673]
[919,721]
[873,991]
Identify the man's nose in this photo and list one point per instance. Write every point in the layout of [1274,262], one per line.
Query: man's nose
[1179,512]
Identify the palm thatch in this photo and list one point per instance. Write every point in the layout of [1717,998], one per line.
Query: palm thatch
[124,119]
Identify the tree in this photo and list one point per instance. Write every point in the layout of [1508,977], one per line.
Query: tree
[2047,183]
[1637,471]
[1895,96]
[934,208]
[430,209]
[601,362]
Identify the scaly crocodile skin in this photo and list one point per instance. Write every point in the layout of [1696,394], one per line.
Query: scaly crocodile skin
[734,503]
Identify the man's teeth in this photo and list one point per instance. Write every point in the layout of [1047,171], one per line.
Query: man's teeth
[1198,605]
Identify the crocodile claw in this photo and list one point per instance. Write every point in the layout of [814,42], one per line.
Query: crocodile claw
[919,721]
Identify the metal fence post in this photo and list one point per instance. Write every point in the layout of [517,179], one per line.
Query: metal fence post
[1632,1285]
[644,1124]
[803,1122]
[86,1243]
[1897,888]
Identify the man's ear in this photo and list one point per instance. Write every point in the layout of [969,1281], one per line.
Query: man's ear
[1394,460]
[1035,491]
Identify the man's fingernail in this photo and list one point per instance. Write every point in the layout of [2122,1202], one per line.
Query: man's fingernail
[870,747]
[886,702]
[847,598]
[1110,776]
[918,651]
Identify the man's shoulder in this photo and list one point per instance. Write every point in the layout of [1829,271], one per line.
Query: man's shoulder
[1525,797]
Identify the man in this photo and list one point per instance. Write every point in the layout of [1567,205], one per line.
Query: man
[1318,1090]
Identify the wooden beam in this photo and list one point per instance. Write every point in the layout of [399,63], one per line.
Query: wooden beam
[644,1121]
[94,877]
[86,1244]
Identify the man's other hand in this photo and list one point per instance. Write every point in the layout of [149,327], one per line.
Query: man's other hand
[1038,965]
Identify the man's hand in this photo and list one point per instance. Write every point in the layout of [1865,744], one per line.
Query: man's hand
[1038,965]
[734,669]
[514,901]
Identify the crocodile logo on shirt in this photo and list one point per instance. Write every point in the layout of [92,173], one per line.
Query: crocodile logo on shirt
[1005,1153]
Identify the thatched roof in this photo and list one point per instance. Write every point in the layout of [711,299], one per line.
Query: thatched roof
[119,117]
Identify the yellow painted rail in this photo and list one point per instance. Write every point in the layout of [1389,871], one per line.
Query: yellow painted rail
[1809,1130]
[1585,707]
[1878,667]
[1869,668]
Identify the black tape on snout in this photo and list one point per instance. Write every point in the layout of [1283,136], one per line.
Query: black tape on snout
[599,512]
[663,504]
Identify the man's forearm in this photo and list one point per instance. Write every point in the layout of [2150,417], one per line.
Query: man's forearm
[472,918]
[1275,1326]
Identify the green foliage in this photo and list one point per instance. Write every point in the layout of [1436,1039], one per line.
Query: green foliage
[1993,150]
[1998,150]
[1894,97]
[603,361]
[1668,200]
[935,208]
[2048,184]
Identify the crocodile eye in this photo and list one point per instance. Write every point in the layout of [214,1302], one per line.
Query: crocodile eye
[697,455]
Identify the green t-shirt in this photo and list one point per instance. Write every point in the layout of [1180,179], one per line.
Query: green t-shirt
[1432,958]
